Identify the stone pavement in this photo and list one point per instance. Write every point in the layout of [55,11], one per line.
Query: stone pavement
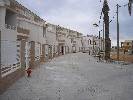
[74,77]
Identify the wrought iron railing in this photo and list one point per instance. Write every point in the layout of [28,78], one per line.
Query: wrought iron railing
[10,27]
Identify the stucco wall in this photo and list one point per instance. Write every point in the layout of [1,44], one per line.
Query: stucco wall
[36,31]
[2,17]
[9,49]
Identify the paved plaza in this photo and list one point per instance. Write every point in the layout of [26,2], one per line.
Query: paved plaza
[75,76]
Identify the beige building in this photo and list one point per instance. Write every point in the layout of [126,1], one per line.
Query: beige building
[62,40]
[76,40]
[31,29]
[127,46]
[69,40]
[22,40]
[79,43]
[92,44]
[52,41]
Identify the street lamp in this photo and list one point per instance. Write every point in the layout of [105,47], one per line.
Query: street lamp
[96,25]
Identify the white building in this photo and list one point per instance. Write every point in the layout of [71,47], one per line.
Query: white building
[26,41]
[22,39]
[88,45]
[79,43]
[63,42]
[8,22]
[31,29]
[69,40]
[52,40]
[92,44]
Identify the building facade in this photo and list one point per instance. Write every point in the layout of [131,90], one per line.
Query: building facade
[92,44]
[22,40]
[52,41]
[10,47]
[127,46]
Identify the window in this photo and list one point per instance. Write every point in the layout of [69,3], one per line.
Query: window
[94,42]
[71,40]
[44,32]
[90,41]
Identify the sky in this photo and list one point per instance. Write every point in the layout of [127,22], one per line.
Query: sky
[80,15]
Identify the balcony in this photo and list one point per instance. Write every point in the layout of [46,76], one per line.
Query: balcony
[61,41]
[22,33]
[10,27]
[74,42]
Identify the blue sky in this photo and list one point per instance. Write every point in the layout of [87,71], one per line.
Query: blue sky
[81,14]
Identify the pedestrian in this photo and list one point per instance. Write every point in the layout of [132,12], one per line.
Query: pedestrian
[89,52]
[29,72]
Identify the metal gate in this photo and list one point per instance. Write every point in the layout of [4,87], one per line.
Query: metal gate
[10,57]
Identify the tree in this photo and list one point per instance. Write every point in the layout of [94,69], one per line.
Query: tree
[130,6]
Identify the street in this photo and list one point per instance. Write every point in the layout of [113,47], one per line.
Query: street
[75,76]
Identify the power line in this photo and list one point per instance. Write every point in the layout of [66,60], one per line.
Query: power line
[125,5]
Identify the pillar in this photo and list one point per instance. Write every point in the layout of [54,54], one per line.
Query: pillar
[50,52]
[22,54]
[32,54]
[43,53]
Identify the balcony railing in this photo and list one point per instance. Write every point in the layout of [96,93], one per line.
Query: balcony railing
[10,27]
[7,69]
[74,41]
[62,41]
[24,31]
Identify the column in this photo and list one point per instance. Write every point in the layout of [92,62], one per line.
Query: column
[22,54]
[43,53]
[32,54]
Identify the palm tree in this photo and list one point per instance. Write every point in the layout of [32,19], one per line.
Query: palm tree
[130,6]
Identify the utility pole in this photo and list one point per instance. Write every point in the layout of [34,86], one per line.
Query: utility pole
[99,41]
[118,49]
[105,11]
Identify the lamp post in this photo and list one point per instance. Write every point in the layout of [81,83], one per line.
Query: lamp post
[99,37]
[118,48]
